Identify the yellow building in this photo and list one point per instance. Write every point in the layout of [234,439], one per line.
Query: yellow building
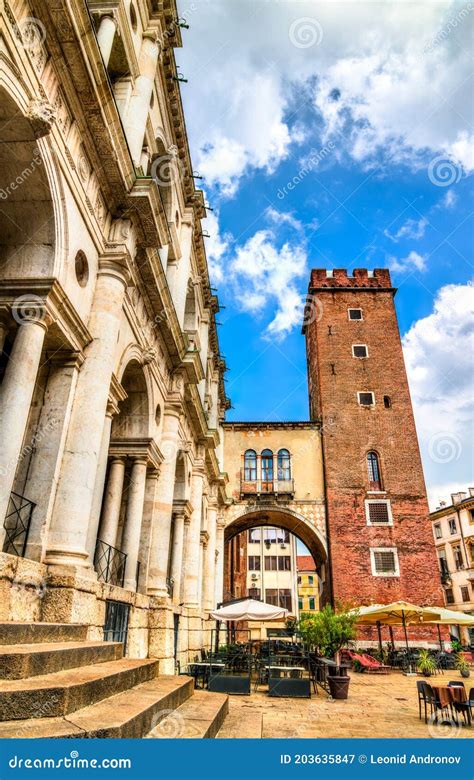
[308,584]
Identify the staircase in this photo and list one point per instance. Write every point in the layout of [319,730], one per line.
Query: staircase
[54,683]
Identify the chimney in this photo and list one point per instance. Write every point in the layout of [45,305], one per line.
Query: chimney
[471,492]
[456,498]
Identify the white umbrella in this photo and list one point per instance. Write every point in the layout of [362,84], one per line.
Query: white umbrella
[249,609]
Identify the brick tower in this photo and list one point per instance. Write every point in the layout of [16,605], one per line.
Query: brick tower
[381,545]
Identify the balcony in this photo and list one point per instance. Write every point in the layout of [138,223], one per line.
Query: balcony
[257,487]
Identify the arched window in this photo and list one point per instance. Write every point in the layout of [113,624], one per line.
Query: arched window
[284,465]
[250,466]
[373,470]
[267,470]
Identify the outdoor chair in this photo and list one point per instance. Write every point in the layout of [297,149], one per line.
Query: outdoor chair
[464,707]
[369,664]
[433,701]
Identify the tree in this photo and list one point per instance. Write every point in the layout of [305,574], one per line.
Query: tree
[326,632]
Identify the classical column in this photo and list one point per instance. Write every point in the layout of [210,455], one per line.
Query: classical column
[68,535]
[133,521]
[209,585]
[47,444]
[99,486]
[149,510]
[161,531]
[112,502]
[105,36]
[16,392]
[219,577]
[184,267]
[203,540]
[191,562]
[177,554]
[139,106]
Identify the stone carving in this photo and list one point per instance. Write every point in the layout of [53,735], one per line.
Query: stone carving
[83,166]
[42,117]
[149,355]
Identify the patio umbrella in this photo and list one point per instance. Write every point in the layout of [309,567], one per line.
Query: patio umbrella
[398,613]
[450,617]
[249,609]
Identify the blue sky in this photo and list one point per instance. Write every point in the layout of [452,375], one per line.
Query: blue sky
[366,110]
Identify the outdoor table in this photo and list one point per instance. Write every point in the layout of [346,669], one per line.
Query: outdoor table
[208,663]
[450,694]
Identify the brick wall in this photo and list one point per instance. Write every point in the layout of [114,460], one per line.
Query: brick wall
[350,431]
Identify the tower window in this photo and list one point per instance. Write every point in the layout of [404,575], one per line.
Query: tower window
[366,399]
[284,465]
[378,513]
[355,314]
[360,351]
[384,562]
[387,401]
[373,471]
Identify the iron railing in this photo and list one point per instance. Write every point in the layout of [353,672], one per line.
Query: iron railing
[17,524]
[257,486]
[109,563]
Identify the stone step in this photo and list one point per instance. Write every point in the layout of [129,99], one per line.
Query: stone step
[59,693]
[131,713]
[245,723]
[29,633]
[200,717]
[20,661]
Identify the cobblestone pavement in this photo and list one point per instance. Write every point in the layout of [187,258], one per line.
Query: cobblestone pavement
[378,706]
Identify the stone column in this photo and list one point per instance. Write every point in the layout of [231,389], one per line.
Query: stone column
[68,535]
[105,36]
[209,585]
[203,540]
[191,562]
[99,486]
[184,267]
[16,392]
[161,531]
[177,555]
[47,445]
[139,106]
[219,576]
[133,521]
[112,502]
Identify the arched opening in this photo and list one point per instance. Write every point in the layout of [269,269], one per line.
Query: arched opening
[267,471]
[261,563]
[190,309]
[27,224]
[133,420]
[250,466]
[284,465]
[373,471]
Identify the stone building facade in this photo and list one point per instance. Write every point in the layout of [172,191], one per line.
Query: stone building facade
[453,533]
[112,395]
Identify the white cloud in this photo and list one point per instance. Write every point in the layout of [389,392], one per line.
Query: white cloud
[439,354]
[449,200]
[216,246]
[264,273]
[392,78]
[283,217]
[412,228]
[412,262]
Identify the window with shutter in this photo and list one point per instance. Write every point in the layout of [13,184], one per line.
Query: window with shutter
[384,562]
[378,512]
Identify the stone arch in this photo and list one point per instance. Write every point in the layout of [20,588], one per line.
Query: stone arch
[32,221]
[133,420]
[281,517]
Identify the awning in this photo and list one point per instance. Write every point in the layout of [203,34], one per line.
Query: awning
[249,609]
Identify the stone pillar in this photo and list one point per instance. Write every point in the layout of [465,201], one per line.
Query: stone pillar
[16,392]
[112,502]
[105,36]
[191,562]
[219,575]
[184,267]
[150,506]
[161,531]
[209,585]
[177,555]
[133,521]
[47,444]
[139,106]
[203,540]
[99,486]
[68,535]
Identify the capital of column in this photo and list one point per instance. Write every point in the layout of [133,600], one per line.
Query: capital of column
[204,538]
[65,358]
[114,263]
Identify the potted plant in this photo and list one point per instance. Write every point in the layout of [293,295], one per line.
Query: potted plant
[462,665]
[326,633]
[426,663]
